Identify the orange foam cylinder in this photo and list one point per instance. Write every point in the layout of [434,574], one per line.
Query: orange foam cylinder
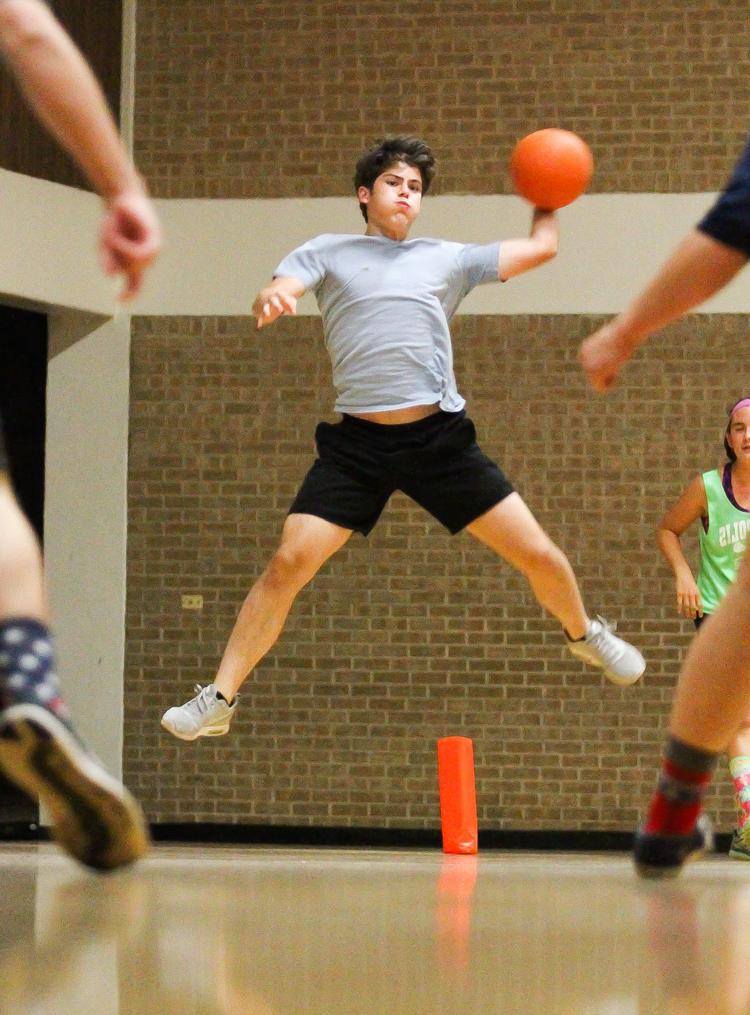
[458,798]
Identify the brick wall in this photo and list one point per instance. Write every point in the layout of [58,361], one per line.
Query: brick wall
[262,99]
[411,634]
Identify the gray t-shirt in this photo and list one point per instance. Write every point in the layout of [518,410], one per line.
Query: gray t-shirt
[386,305]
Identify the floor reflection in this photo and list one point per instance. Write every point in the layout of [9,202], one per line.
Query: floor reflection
[456,885]
[700,940]
[240,931]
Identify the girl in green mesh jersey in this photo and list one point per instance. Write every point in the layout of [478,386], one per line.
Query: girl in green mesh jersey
[720,498]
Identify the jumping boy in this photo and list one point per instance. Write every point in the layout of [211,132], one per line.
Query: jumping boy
[386,303]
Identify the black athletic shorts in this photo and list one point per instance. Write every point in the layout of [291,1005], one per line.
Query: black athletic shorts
[435,461]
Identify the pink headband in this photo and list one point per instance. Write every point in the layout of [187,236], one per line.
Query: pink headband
[744,403]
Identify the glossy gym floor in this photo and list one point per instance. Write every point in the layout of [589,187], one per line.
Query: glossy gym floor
[260,931]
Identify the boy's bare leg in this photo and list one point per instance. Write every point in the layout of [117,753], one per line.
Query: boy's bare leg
[306,544]
[512,532]
[510,529]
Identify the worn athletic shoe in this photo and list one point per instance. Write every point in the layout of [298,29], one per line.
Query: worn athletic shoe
[205,715]
[663,856]
[622,663]
[739,848]
[94,818]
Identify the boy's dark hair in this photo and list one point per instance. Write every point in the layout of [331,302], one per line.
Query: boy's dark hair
[388,152]
[730,412]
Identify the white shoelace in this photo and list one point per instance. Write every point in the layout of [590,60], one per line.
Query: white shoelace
[200,701]
[607,649]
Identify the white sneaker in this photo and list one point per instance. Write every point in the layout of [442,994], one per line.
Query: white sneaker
[622,663]
[205,715]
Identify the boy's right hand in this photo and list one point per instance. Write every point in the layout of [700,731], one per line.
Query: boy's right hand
[270,304]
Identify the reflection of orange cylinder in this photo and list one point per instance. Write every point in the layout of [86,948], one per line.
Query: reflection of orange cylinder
[458,800]
[455,896]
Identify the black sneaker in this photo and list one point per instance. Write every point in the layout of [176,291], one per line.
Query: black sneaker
[94,818]
[663,856]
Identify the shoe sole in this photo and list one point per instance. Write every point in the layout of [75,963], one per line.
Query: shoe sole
[209,731]
[735,855]
[665,873]
[614,678]
[94,818]
[619,681]
[654,872]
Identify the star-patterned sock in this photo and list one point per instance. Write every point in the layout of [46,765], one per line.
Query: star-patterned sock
[27,667]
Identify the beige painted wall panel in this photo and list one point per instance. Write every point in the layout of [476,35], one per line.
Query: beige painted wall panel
[85,522]
[48,255]
[219,253]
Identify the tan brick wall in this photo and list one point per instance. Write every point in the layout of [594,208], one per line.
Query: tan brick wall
[237,98]
[411,634]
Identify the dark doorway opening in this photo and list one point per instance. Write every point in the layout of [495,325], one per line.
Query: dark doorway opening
[23,388]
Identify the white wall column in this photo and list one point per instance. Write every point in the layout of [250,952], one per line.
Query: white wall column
[86,520]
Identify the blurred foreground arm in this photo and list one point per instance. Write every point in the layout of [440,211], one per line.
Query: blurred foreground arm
[61,89]
[700,267]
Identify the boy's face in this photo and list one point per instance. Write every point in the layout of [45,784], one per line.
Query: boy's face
[394,200]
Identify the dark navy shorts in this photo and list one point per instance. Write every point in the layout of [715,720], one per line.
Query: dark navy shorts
[728,220]
[436,461]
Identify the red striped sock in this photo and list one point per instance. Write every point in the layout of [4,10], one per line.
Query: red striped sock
[678,800]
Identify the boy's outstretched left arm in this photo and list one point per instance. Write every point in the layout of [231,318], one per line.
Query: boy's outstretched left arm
[517,256]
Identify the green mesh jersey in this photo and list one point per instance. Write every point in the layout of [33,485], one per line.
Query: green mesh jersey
[723,545]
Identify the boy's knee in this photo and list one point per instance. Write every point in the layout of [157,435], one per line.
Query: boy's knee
[545,557]
[290,568]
